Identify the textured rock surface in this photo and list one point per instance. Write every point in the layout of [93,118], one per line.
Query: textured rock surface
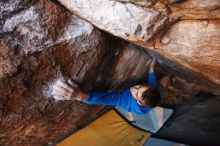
[131,64]
[162,6]
[195,46]
[187,48]
[8,62]
[183,9]
[40,42]
[128,21]
[196,9]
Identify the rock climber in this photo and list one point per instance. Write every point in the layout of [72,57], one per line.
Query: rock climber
[138,99]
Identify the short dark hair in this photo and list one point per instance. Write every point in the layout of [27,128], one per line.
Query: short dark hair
[151,97]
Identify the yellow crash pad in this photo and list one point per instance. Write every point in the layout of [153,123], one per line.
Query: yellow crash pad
[108,130]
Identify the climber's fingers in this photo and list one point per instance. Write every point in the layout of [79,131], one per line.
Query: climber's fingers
[57,97]
[72,83]
[59,92]
[64,86]
[154,60]
[60,96]
[62,90]
[165,81]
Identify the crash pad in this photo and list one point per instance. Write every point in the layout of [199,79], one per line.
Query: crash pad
[109,129]
[151,121]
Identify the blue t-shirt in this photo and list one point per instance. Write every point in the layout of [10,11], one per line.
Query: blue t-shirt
[123,99]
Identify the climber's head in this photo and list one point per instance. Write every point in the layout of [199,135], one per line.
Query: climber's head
[146,95]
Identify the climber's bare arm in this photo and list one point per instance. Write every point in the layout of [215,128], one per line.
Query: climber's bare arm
[165,81]
[68,91]
[152,64]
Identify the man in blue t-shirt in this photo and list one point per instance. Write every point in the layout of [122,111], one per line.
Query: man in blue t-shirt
[138,99]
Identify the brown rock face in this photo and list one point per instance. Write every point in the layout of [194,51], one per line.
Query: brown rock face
[131,67]
[41,41]
[8,62]
[183,9]
[39,44]
[195,46]
[191,46]
[196,9]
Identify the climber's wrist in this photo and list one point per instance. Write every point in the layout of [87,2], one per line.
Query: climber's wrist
[79,96]
[151,68]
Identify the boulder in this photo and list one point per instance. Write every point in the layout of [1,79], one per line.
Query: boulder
[182,9]
[131,22]
[191,48]
[196,9]
[186,47]
[40,43]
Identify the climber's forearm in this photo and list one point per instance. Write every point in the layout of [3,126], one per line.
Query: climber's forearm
[69,90]
[151,68]
[151,75]
[152,65]
[165,81]
[80,96]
